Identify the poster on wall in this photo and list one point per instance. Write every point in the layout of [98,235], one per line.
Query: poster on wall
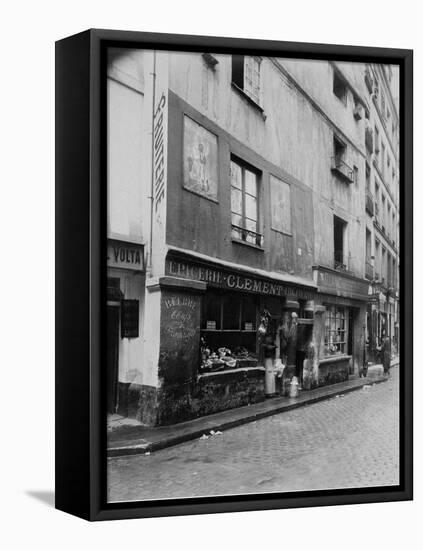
[200,159]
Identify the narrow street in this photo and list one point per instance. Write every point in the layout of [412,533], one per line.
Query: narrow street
[347,441]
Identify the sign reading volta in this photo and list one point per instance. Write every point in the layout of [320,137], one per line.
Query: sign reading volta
[124,255]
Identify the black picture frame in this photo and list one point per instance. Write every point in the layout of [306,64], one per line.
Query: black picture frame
[81,279]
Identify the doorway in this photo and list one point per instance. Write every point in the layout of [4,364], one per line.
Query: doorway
[112,358]
[352,312]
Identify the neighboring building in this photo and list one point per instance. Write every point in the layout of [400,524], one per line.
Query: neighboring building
[241,202]
[382,205]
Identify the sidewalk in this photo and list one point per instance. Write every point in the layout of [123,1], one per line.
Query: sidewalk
[130,439]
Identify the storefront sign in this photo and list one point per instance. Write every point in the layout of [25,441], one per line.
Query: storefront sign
[339,284]
[130,311]
[159,152]
[180,312]
[225,279]
[125,255]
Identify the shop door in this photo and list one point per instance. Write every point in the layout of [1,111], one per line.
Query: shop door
[112,357]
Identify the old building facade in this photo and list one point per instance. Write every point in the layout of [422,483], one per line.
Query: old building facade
[237,228]
[382,206]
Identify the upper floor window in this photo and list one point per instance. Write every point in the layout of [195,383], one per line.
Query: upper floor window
[246,75]
[244,203]
[339,87]
[339,238]
[338,166]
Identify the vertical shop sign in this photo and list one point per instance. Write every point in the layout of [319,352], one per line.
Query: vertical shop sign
[159,153]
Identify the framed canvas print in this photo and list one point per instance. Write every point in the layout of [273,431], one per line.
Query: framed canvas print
[234,274]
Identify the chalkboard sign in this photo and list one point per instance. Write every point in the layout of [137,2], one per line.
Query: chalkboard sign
[130,318]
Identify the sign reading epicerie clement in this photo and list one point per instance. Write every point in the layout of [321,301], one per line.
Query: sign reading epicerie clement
[226,279]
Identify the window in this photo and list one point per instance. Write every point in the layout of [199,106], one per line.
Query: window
[383,210]
[339,148]
[280,197]
[244,203]
[383,159]
[339,228]
[383,265]
[377,261]
[376,199]
[339,87]
[377,142]
[246,75]
[229,321]
[368,266]
[367,177]
[338,165]
[336,335]
[394,226]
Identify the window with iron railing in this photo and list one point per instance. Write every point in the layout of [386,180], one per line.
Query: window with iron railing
[244,204]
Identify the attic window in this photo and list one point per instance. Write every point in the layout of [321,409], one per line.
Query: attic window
[339,87]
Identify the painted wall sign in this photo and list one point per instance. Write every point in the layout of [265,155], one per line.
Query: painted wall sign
[180,312]
[339,284]
[159,153]
[130,314]
[200,159]
[124,255]
[230,280]
[179,336]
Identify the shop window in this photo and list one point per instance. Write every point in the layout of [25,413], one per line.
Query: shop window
[246,75]
[336,334]
[244,203]
[339,87]
[228,331]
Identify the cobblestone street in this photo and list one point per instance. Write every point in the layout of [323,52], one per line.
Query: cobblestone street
[346,441]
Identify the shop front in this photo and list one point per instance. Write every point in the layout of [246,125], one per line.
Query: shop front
[216,321]
[125,297]
[340,326]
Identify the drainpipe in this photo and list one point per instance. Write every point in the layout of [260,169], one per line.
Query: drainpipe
[150,253]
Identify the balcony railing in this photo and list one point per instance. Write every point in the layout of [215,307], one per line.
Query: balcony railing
[369,270]
[341,169]
[369,202]
[247,235]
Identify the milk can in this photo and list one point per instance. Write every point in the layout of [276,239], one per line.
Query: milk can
[293,389]
[269,371]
